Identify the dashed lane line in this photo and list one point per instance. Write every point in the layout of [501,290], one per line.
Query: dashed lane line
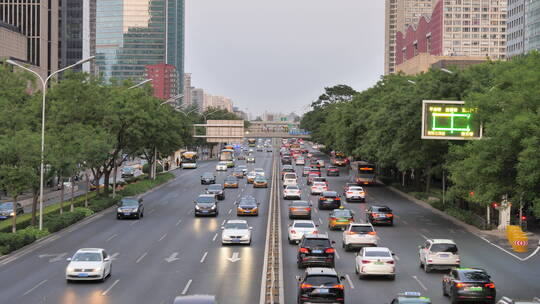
[420,283]
[187,287]
[111,237]
[349,281]
[179,221]
[215,237]
[141,257]
[204,257]
[110,287]
[33,288]
[162,237]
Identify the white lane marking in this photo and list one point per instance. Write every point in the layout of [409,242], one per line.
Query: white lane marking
[151,211]
[37,285]
[420,283]
[320,221]
[316,210]
[111,237]
[337,254]
[141,257]
[396,257]
[162,237]
[425,237]
[215,237]
[230,210]
[179,221]
[187,287]
[133,223]
[204,257]
[189,211]
[223,223]
[510,253]
[405,222]
[110,287]
[349,280]
[114,257]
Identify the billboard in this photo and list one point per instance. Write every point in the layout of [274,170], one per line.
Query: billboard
[443,119]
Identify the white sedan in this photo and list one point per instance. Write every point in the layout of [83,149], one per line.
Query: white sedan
[318,188]
[89,264]
[355,193]
[236,232]
[221,166]
[292,192]
[300,227]
[377,261]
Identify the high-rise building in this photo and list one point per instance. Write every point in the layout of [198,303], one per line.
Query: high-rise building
[515,24]
[465,32]
[187,89]
[164,80]
[217,102]
[197,98]
[399,14]
[532,25]
[71,33]
[131,34]
[38,21]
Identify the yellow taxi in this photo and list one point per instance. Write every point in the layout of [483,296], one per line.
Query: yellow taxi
[260,182]
[230,182]
[247,205]
[340,218]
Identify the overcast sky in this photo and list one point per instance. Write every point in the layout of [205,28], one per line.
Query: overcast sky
[278,55]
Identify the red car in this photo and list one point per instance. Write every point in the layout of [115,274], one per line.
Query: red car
[332,171]
[315,171]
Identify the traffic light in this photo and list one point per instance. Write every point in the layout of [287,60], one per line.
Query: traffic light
[523,217]
[471,193]
[495,205]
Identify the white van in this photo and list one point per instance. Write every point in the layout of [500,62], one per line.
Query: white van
[289,179]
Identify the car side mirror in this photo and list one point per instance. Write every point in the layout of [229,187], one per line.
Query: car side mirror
[393,253]
[333,242]
[317,225]
[222,228]
[68,259]
[298,278]
[342,278]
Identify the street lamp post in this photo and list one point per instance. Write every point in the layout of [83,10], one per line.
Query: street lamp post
[44,93]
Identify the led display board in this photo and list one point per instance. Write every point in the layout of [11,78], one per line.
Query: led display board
[442,119]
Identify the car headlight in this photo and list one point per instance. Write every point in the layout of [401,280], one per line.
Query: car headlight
[119,210]
[97,269]
[70,269]
[12,213]
[214,207]
[197,207]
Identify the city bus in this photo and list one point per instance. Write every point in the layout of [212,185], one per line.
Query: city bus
[227,155]
[252,142]
[364,173]
[189,160]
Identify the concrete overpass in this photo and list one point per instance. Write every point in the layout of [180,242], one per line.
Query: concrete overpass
[277,134]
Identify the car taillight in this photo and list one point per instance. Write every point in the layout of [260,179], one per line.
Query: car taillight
[330,250]
[332,219]
[315,232]
[293,231]
[294,209]
[304,250]
[372,233]
[350,232]
[374,214]
[349,192]
[362,193]
[308,209]
[340,286]
[366,261]
[323,198]
[304,286]
[459,285]
[489,285]
[389,215]
[389,262]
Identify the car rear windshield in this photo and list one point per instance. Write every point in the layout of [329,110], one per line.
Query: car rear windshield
[342,213]
[290,176]
[304,225]
[382,209]
[300,204]
[361,229]
[355,189]
[444,248]
[231,179]
[377,253]
[330,194]
[471,276]
[317,280]
[292,188]
[316,243]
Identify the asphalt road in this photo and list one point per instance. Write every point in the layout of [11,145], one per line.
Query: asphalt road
[411,227]
[140,272]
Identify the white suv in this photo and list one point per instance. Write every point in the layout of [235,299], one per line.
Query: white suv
[355,193]
[438,254]
[289,179]
[359,235]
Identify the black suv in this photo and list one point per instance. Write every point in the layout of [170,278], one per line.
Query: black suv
[329,200]
[380,215]
[208,178]
[286,160]
[469,284]
[320,285]
[206,204]
[217,190]
[315,250]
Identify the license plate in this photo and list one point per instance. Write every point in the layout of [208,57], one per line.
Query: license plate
[382,216]
[236,241]
[205,211]
[127,213]
[317,251]
[83,275]
[444,255]
[330,200]
[379,263]
[473,289]
[343,221]
[321,290]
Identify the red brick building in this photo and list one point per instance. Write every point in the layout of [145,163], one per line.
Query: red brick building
[164,80]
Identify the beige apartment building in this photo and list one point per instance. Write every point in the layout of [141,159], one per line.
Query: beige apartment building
[218,102]
[399,14]
[12,42]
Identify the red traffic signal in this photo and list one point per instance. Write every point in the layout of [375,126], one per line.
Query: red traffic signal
[524,218]
[471,193]
[495,205]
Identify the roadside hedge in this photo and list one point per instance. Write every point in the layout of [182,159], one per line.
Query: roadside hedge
[145,185]
[146,169]
[55,222]
[13,241]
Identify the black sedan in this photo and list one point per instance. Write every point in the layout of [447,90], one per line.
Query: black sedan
[208,178]
[379,215]
[329,200]
[469,285]
[217,190]
[130,207]
[206,204]
[6,210]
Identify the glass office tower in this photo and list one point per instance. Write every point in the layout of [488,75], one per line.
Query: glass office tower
[131,34]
